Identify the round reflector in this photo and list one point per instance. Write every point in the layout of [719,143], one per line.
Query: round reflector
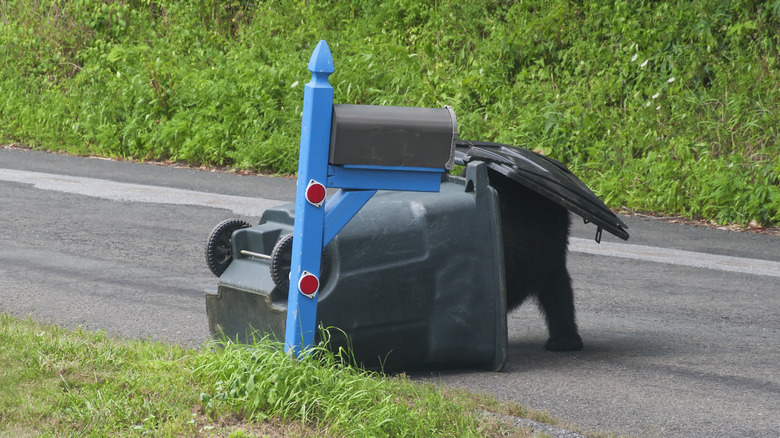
[315,193]
[309,284]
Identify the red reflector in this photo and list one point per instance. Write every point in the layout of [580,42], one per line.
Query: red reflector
[309,284]
[315,193]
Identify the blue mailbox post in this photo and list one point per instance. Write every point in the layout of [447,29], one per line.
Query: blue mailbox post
[358,149]
[310,195]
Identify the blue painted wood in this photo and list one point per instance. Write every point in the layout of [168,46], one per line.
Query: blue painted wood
[309,219]
[341,208]
[413,179]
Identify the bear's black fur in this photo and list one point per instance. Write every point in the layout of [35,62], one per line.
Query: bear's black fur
[536,236]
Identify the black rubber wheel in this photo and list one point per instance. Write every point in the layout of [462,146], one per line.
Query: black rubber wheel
[281,259]
[219,248]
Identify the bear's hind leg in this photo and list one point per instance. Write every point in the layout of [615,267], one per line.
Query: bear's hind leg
[556,301]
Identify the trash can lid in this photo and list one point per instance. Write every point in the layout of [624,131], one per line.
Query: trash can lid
[545,176]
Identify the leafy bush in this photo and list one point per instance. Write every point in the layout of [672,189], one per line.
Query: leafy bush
[668,106]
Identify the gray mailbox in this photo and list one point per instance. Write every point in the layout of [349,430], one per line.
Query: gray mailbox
[393,136]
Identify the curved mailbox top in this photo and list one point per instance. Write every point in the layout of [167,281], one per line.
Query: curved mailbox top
[392,136]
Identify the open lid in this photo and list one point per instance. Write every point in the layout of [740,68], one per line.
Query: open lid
[545,176]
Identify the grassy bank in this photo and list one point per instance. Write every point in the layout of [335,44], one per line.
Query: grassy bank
[666,106]
[56,382]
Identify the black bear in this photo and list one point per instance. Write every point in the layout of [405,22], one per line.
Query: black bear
[536,235]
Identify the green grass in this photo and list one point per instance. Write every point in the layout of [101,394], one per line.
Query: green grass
[57,382]
[668,106]
[60,383]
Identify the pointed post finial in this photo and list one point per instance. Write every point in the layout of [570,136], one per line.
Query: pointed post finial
[321,60]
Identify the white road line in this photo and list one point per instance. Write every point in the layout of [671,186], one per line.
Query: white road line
[247,206]
[676,257]
[126,192]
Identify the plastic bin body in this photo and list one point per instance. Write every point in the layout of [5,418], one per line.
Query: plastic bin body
[413,280]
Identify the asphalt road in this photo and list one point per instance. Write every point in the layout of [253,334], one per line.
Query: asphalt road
[681,325]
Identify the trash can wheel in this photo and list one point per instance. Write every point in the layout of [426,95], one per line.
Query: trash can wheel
[281,259]
[219,249]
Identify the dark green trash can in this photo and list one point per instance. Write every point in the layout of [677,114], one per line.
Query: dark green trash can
[413,280]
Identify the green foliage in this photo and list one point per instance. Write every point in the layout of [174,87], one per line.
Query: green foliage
[57,382]
[60,383]
[321,389]
[669,106]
